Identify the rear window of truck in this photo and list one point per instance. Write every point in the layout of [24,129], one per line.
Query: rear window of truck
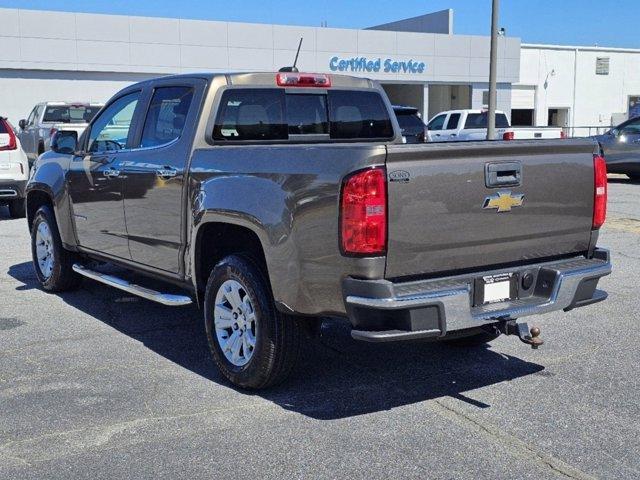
[69,114]
[262,114]
[481,120]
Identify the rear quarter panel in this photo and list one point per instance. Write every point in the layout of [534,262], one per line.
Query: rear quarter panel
[289,196]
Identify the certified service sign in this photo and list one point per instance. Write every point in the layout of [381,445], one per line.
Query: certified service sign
[364,64]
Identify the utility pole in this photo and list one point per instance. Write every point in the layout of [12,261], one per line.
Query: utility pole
[493,65]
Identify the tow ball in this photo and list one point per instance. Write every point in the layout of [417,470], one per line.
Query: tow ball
[526,335]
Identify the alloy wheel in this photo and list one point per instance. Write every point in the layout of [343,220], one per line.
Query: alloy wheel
[235,322]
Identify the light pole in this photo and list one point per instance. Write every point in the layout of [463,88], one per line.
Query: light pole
[493,63]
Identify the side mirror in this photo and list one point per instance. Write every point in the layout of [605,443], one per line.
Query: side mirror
[614,131]
[65,142]
[22,124]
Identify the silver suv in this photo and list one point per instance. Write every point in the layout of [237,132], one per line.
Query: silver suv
[47,118]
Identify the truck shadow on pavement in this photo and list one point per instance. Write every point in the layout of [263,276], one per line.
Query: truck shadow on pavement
[336,377]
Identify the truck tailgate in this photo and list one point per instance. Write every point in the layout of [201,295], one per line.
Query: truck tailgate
[437,194]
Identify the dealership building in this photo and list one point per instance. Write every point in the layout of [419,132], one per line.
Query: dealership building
[79,57]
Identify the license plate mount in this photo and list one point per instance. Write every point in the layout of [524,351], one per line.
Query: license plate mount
[501,287]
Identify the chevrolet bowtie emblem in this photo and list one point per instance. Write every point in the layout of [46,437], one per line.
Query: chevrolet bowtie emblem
[503,201]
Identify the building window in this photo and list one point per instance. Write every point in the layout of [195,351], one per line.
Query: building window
[602,66]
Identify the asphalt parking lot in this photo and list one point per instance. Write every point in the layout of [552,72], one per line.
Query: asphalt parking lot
[96,384]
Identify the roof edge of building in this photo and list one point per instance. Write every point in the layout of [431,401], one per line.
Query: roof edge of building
[593,48]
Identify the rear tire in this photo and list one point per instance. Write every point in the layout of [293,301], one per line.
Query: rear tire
[51,262]
[17,208]
[475,340]
[252,343]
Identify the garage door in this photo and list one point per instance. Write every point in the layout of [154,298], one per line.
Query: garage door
[523,97]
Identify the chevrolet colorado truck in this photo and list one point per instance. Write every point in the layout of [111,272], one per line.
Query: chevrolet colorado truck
[277,199]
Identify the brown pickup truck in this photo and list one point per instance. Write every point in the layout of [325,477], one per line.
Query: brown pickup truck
[276,199]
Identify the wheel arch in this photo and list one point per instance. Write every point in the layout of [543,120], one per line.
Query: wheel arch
[218,238]
[35,199]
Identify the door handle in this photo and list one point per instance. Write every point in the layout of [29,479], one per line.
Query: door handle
[167,172]
[507,174]
[111,173]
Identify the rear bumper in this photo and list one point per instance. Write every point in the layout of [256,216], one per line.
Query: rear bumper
[12,189]
[381,310]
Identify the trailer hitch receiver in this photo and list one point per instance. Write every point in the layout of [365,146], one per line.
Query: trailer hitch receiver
[526,335]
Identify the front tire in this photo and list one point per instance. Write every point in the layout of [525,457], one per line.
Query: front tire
[253,344]
[17,208]
[51,262]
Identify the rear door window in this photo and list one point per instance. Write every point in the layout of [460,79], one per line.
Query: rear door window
[480,120]
[251,114]
[166,115]
[453,121]
[437,123]
[358,115]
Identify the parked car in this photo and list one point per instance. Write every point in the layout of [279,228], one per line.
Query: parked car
[621,146]
[14,170]
[411,125]
[277,199]
[465,125]
[48,117]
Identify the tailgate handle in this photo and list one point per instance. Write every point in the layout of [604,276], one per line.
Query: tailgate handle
[507,174]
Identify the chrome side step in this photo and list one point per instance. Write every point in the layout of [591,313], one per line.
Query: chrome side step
[163,298]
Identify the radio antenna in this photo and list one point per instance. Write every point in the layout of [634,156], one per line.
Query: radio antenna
[295,62]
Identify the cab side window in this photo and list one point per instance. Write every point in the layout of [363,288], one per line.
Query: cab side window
[166,115]
[110,131]
[39,111]
[32,116]
[437,123]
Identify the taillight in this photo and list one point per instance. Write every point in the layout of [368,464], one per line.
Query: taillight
[508,136]
[600,191]
[52,132]
[13,143]
[363,213]
[563,134]
[294,79]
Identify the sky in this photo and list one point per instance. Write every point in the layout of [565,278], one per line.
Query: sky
[610,23]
